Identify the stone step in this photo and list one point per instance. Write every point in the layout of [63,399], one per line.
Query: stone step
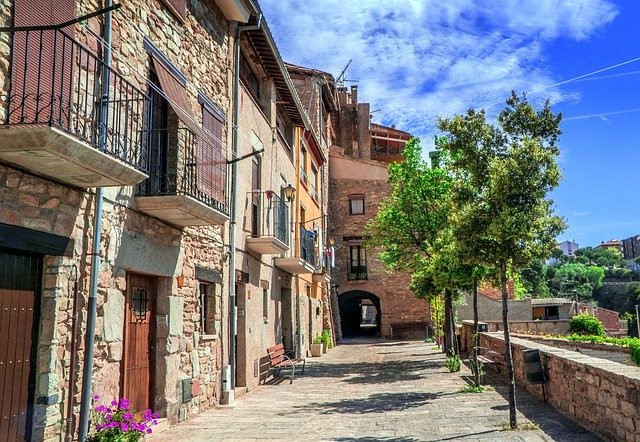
[163,425]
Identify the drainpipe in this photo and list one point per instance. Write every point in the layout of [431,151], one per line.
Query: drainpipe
[233,310]
[85,401]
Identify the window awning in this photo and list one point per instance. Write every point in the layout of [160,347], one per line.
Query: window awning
[177,96]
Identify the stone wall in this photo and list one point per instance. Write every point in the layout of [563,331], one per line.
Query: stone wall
[131,241]
[601,395]
[351,176]
[491,309]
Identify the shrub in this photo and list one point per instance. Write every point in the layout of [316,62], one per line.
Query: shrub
[117,422]
[326,339]
[586,325]
[632,343]
[453,363]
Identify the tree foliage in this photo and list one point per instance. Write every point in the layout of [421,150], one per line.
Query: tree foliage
[502,174]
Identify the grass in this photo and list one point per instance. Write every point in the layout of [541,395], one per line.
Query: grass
[472,389]
[526,426]
[435,348]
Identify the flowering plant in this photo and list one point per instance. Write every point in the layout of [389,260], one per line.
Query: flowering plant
[117,422]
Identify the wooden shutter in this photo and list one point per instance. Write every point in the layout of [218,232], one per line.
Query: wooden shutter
[179,6]
[41,68]
[210,160]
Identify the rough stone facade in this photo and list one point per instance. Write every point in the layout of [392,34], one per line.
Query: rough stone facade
[131,242]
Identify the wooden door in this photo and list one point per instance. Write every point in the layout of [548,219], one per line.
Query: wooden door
[139,342]
[20,276]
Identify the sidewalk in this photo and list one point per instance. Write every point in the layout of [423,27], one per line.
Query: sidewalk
[376,391]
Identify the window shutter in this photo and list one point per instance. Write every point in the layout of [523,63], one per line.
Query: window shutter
[36,54]
[211,165]
[179,6]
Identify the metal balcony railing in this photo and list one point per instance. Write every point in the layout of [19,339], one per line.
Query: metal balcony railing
[358,272]
[271,217]
[307,245]
[378,149]
[182,164]
[56,81]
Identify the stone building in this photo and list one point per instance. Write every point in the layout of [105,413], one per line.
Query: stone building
[357,183]
[138,149]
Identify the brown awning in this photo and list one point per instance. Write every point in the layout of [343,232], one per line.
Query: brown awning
[177,96]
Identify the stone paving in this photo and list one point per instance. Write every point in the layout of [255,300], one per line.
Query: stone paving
[366,390]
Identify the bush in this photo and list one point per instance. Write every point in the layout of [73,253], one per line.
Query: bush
[632,343]
[453,363]
[586,325]
[326,339]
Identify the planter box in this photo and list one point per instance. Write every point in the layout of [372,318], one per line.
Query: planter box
[316,350]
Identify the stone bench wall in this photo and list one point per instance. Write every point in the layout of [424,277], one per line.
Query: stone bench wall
[601,395]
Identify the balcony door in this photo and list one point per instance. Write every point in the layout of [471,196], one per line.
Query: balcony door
[159,141]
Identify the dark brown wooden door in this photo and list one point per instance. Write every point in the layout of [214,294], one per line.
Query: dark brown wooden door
[20,277]
[139,342]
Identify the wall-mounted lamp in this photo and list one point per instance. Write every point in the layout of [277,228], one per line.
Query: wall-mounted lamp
[331,241]
[289,191]
[269,194]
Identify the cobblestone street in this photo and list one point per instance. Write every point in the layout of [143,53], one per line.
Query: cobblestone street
[376,390]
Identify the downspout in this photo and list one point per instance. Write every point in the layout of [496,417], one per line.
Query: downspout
[85,401]
[233,310]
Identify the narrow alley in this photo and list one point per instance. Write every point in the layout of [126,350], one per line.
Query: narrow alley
[370,390]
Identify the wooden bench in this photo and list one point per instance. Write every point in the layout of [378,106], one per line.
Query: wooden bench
[401,330]
[491,357]
[278,361]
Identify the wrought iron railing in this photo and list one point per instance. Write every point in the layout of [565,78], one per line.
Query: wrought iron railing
[378,149]
[56,81]
[358,273]
[182,164]
[307,245]
[271,217]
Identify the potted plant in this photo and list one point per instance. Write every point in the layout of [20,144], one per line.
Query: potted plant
[326,339]
[317,347]
[119,422]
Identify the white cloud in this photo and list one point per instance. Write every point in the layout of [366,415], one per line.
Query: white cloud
[420,59]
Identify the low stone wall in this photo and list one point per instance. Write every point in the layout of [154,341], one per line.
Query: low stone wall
[610,352]
[601,395]
[556,327]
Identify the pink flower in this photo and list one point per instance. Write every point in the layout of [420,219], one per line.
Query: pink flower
[124,427]
[96,397]
[149,431]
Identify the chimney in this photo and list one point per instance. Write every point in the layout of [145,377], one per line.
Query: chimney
[393,126]
[354,94]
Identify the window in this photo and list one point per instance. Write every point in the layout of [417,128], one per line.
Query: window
[357,262]
[265,304]
[356,204]
[207,301]
[250,79]
[211,167]
[177,7]
[303,165]
[314,181]
[255,196]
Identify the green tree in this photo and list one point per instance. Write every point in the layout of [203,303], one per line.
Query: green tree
[409,224]
[534,279]
[574,278]
[502,174]
[607,257]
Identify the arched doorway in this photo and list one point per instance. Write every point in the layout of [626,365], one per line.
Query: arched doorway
[359,314]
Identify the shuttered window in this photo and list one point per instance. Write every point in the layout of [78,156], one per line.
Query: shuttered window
[40,90]
[211,162]
[178,7]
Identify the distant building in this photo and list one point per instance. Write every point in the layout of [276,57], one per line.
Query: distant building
[611,244]
[631,247]
[569,248]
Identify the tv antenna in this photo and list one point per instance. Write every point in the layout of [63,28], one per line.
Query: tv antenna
[341,78]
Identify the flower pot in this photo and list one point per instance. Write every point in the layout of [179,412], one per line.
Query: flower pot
[316,350]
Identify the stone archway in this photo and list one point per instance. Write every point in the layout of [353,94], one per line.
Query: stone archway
[360,314]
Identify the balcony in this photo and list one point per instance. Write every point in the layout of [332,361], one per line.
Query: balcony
[358,273]
[187,180]
[269,224]
[305,261]
[54,108]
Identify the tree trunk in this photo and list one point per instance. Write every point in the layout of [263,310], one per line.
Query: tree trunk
[446,339]
[476,336]
[450,337]
[507,346]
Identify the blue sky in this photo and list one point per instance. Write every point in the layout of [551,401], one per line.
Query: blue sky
[417,60]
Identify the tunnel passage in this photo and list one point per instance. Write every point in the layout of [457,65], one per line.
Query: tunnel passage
[359,314]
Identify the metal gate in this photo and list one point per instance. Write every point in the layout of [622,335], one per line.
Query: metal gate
[20,276]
